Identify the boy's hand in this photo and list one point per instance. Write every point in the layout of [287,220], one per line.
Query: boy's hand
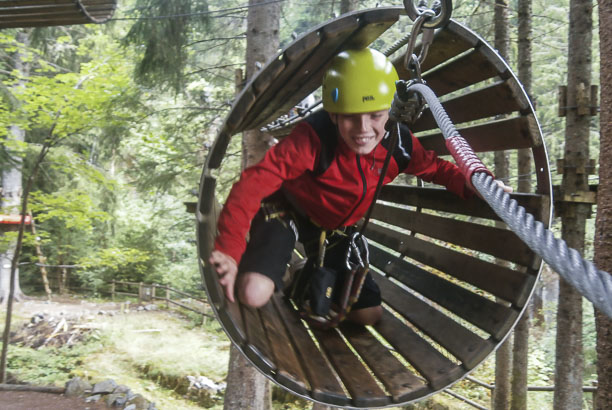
[227,269]
[503,186]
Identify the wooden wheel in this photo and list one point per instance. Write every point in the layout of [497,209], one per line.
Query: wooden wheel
[454,283]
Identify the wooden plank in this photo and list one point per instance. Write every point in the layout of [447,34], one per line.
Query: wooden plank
[486,314]
[35,14]
[217,151]
[289,371]
[300,84]
[487,102]
[466,70]
[324,384]
[353,30]
[362,387]
[245,101]
[498,280]
[448,42]
[231,320]
[498,135]
[465,345]
[373,23]
[430,363]
[292,58]
[50,3]
[442,200]
[401,383]
[501,243]
[257,348]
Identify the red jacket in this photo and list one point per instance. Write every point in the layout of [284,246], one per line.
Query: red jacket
[340,195]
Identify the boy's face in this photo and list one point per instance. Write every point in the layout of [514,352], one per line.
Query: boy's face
[361,132]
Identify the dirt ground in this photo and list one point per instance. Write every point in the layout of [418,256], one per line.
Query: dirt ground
[19,400]
[68,307]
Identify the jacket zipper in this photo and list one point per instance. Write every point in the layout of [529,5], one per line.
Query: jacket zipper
[363,195]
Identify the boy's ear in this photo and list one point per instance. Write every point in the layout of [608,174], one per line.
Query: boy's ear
[333,118]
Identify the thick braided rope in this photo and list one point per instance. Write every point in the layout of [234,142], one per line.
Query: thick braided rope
[594,284]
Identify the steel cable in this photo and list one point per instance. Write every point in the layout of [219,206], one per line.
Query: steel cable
[583,275]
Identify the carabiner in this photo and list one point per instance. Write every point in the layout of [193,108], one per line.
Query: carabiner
[441,8]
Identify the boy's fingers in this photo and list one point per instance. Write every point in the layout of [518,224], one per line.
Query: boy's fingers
[228,285]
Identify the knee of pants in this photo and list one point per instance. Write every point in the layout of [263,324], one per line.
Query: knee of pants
[255,289]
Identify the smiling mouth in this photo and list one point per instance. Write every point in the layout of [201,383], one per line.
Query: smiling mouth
[363,140]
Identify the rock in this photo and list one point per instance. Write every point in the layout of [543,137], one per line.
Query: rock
[95,398]
[122,389]
[139,402]
[115,399]
[104,387]
[130,407]
[38,317]
[77,387]
[150,307]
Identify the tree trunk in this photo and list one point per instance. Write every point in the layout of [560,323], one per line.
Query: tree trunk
[569,361]
[262,44]
[64,280]
[42,260]
[246,387]
[503,356]
[603,230]
[348,6]
[12,183]
[520,349]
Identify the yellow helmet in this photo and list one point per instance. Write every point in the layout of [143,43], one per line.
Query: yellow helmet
[359,81]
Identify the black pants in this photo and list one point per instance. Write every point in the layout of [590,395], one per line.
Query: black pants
[272,237]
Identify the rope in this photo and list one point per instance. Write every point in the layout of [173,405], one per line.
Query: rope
[594,284]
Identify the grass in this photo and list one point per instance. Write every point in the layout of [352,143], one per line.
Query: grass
[150,352]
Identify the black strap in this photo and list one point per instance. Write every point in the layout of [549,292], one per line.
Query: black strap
[392,144]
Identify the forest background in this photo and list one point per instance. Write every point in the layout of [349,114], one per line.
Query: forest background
[132,107]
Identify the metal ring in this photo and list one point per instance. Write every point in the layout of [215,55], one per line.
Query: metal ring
[439,20]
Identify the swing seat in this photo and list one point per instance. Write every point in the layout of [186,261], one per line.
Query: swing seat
[454,280]
[43,13]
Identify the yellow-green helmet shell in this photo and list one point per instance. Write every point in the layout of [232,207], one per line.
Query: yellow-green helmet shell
[359,81]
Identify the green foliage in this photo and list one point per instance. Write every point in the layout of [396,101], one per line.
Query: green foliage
[165,39]
[48,365]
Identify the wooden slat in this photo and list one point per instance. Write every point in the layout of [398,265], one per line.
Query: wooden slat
[354,30]
[257,348]
[360,384]
[498,280]
[289,371]
[487,102]
[442,200]
[401,383]
[448,42]
[373,24]
[466,70]
[242,105]
[50,13]
[430,363]
[498,135]
[324,384]
[47,3]
[465,345]
[487,315]
[501,243]
[231,319]
[294,90]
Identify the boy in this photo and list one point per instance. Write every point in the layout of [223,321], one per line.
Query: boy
[322,176]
